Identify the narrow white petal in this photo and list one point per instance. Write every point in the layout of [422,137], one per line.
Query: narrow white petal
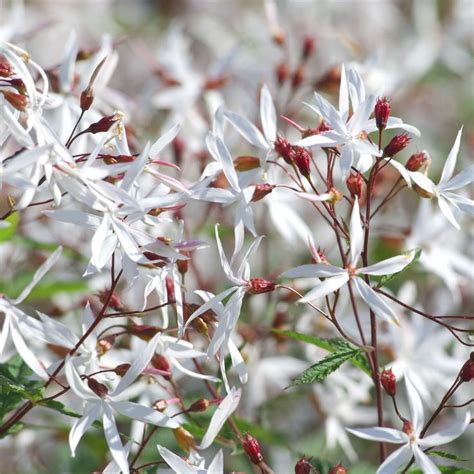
[320,270]
[316,140]
[247,129]
[356,233]
[446,435]
[268,114]
[416,405]
[80,427]
[144,414]
[223,412]
[397,459]
[217,464]
[77,384]
[343,94]
[179,465]
[460,180]
[163,141]
[326,287]
[445,207]
[424,462]
[388,266]
[386,435]
[450,163]
[423,181]
[112,437]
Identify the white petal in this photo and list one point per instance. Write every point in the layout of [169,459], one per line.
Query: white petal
[343,95]
[163,141]
[346,160]
[445,207]
[423,461]
[450,163]
[316,140]
[225,159]
[374,301]
[223,412]
[401,169]
[386,435]
[247,129]
[75,217]
[217,464]
[463,203]
[112,437]
[356,233]
[330,114]
[179,466]
[460,180]
[416,405]
[313,270]
[144,414]
[388,266]
[77,384]
[423,181]
[80,427]
[397,459]
[268,114]
[42,270]
[445,436]
[224,261]
[326,287]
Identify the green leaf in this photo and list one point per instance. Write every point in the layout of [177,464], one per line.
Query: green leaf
[320,370]
[263,435]
[14,377]
[388,278]
[330,345]
[443,454]
[445,470]
[61,408]
[6,233]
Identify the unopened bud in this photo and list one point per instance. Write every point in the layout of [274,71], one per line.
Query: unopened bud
[18,101]
[298,76]
[467,371]
[338,469]
[396,144]
[184,439]
[160,362]
[98,388]
[261,190]
[122,369]
[408,427]
[19,85]
[389,382]
[260,285]
[199,406]
[418,162]
[86,99]
[114,301]
[303,467]
[183,264]
[282,73]
[382,112]
[284,149]
[143,331]
[308,47]
[252,449]
[354,184]
[302,160]
[5,70]
[246,163]
[104,124]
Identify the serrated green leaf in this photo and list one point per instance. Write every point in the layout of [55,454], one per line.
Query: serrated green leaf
[14,377]
[330,345]
[61,408]
[388,278]
[6,233]
[319,371]
[443,454]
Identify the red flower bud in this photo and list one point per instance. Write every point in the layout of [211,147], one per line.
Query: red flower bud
[418,161]
[308,47]
[98,388]
[382,112]
[199,406]
[114,301]
[246,163]
[160,362]
[303,467]
[261,190]
[143,331]
[121,369]
[338,469]
[260,285]
[87,97]
[252,449]
[103,125]
[302,160]
[282,73]
[5,70]
[467,371]
[298,76]
[354,184]
[389,382]
[284,149]
[396,144]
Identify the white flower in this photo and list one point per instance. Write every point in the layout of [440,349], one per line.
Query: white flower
[180,466]
[413,444]
[336,277]
[104,405]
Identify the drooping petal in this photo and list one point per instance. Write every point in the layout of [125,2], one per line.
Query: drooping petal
[224,410]
[112,437]
[397,459]
[268,114]
[374,301]
[346,160]
[179,465]
[386,435]
[224,262]
[247,129]
[316,140]
[460,180]
[388,266]
[423,461]
[320,270]
[445,207]
[450,163]
[326,287]
[423,182]
[416,405]
[356,233]
[80,427]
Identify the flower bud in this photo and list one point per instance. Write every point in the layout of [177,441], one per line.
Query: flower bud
[303,467]
[86,99]
[199,406]
[354,184]
[408,427]
[284,149]
[183,264]
[260,285]
[282,73]
[418,162]
[382,112]
[396,144]
[121,369]
[261,190]
[143,331]
[389,382]
[98,388]
[19,85]
[467,371]
[246,163]
[18,101]
[252,449]
[302,160]
[338,469]
[298,76]
[104,124]
[308,47]
[114,301]
[184,439]
[160,362]
[5,70]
